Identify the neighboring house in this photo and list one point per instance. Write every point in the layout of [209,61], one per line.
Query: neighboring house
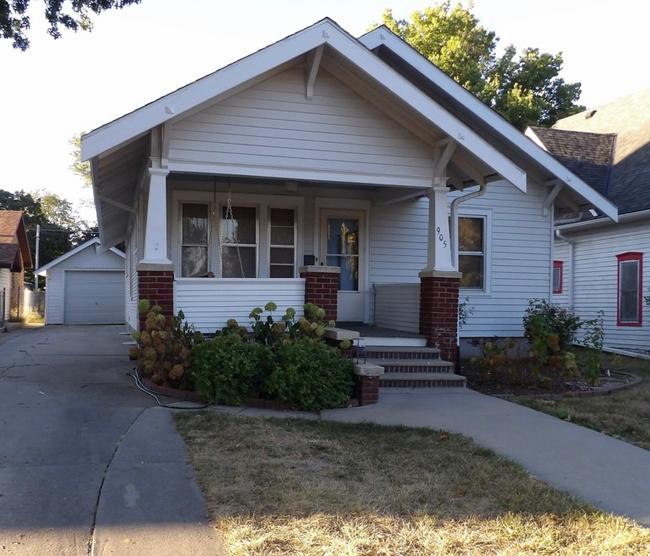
[85,286]
[322,168]
[15,257]
[599,265]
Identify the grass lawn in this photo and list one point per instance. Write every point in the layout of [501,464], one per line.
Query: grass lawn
[624,415]
[313,488]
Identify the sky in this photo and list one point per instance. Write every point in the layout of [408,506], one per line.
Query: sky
[77,83]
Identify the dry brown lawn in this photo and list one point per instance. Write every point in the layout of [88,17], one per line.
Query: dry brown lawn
[624,415]
[313,488]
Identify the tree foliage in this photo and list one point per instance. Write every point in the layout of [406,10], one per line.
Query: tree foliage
[82,169]
[73,15]
[524,89]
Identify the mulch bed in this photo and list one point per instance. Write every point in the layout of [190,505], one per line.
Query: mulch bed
[574,388]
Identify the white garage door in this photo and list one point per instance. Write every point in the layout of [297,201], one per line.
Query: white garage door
[94,297]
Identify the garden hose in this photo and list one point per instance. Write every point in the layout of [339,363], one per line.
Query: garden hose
[146,390]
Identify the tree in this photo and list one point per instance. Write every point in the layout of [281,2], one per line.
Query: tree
[526,90]
[82,169]
[14,19]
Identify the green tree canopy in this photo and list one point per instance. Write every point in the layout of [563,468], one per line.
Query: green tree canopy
[14,20]
[524,89]
[82,169]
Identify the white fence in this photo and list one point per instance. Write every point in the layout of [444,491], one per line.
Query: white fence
[397,306]
[208,303]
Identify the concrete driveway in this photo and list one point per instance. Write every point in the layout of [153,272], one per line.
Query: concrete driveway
[88,465]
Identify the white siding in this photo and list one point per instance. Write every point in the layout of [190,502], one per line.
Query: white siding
[271,129]
[596,277]
[209,303]
[561,253]
[397,306]
[89,258]
[5,283]
[518,254]
[131,279]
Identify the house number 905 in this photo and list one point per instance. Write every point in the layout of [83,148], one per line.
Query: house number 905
[441,238]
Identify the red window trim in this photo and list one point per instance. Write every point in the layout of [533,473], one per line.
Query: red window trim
[560,265]
[623,257]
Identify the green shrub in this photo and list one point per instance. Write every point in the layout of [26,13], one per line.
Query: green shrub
[228,369]
[164,347]
[549,328]
[310,375]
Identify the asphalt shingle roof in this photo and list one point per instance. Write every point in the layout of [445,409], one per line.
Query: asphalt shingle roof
[13,238]
[629,119]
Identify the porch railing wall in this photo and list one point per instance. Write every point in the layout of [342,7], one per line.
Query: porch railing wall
[397,306]
[208,303]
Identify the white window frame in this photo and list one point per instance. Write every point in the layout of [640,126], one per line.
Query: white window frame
[217,236]
[295,241]
[263,203]
[180,236]
[486,215]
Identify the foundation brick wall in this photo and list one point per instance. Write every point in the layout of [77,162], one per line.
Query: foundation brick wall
[321,288]
[366,389]
[158,287]
[439,313]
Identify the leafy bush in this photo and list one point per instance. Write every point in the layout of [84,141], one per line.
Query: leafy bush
[549,328]
[228,369]
[310,375]
[164,347]
[269,332]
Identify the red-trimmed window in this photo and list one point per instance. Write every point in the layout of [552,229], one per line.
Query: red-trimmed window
[558,272]
[630,280]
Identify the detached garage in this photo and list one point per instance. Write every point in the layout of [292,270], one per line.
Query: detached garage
[85,286]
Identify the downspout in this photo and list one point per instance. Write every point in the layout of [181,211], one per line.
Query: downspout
[454,245]
[454,219]
[571,243]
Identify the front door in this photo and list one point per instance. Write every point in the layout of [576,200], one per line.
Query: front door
[342,245]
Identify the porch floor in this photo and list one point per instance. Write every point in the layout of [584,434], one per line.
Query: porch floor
[367,330]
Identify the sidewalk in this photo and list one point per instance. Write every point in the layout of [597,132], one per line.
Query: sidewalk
[612,475]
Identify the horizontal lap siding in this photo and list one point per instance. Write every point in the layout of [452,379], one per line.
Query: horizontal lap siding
[561,253]
[596,278]
[519,248]
[398,306]
[208,306]
[273,125]
[131,280]
[5,284]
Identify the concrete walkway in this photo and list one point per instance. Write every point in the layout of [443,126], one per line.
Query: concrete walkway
[87,464]
[611,474]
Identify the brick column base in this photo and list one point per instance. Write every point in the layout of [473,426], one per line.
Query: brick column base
[366,389]
[439,311]
[158,287]
[322,287]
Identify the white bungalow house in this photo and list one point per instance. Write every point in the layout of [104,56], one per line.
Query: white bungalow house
[325,168]
[598,263]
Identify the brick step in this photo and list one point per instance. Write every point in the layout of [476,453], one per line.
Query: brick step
[421,380]
[410,366]
[402,352]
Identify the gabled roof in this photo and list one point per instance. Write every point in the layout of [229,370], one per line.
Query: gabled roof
[627,118]
[452,96]
[94,241]
[13,241]
[587,155]
[325,32]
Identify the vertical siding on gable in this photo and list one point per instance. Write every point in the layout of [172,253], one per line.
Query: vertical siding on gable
[273,125]
[596,277]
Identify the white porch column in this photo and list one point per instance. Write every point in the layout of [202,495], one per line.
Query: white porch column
[439,244]
[155,236]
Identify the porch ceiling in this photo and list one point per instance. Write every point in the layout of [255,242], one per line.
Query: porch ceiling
[116,176]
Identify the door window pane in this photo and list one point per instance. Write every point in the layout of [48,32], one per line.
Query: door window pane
[343,250]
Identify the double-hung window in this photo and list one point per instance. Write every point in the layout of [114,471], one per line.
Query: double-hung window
[282,259]
[471,251]
[630,274]
[239,243]
[195,234]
